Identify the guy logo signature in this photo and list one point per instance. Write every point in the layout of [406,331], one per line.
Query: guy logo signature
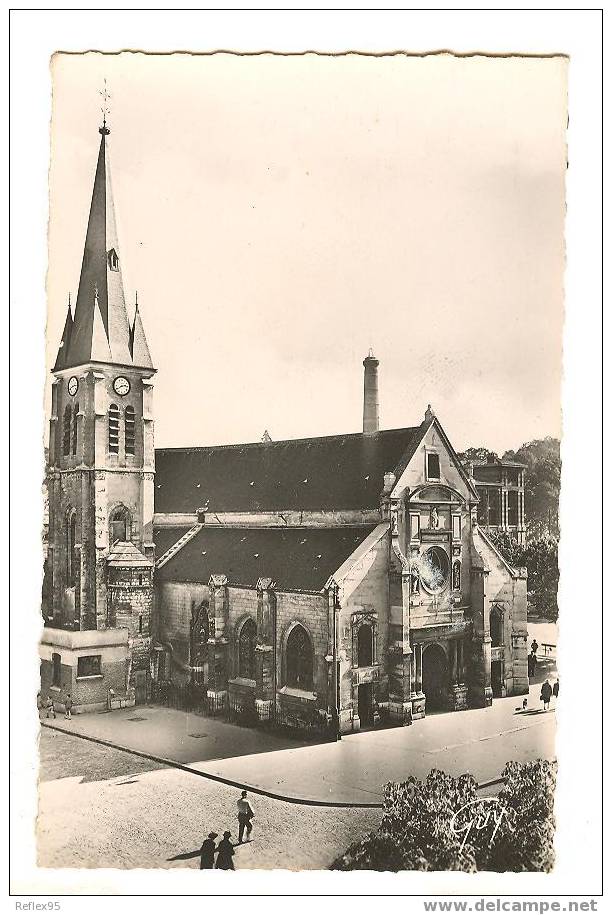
[481,813]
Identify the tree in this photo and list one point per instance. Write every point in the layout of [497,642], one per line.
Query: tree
[540,558]
[476,455]
[509,547]
[542,562]
[542,485]
[442,824]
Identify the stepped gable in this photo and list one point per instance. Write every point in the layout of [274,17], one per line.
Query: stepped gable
[297,559]
[311,474]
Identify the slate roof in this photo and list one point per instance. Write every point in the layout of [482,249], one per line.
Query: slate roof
[298,559]
[126,554]
[165,537]
[309,474]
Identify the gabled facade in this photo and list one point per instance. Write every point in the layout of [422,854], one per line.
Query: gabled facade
[324,602]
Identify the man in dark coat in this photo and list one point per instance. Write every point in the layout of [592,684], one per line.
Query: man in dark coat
[207,852]
[532,664]
[225,853]
[546,693]
[245,815]
[556,688]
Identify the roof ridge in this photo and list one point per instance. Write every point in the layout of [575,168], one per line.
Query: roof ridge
[285,441]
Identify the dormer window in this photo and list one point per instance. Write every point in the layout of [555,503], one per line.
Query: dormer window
[113,260]
[433,466]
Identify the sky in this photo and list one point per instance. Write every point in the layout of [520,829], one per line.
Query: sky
[278,216]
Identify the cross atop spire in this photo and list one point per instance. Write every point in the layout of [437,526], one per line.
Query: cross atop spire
[100,329]
[105,109]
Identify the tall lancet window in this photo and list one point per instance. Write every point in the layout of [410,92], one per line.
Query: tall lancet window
[130,430]
[246,649]
[299,659]
[75,413]
[113,429]
[66,429]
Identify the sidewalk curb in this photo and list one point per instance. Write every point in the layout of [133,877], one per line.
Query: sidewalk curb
[308,802]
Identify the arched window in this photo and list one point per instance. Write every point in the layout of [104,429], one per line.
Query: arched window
[75,413]
[246,650]
[365,646]
[299,659]
[71,557]
[66,429]
[113,429]
[130,430]
[496,625]
[120,525]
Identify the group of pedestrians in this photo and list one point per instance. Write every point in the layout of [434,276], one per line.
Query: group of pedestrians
[47,707]
[548,691]
[224,851]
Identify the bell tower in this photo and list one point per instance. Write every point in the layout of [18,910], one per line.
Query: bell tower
[101,469]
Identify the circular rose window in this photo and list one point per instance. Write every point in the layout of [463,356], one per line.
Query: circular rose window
[434,569]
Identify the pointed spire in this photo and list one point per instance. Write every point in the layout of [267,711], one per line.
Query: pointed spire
[62,352]
[139,348]
[100,350]
[100,286]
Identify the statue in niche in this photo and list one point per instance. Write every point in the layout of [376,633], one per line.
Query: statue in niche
[456,576]
[434,519]
[415,583]
[394,521]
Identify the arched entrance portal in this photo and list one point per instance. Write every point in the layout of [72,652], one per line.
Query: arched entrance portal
[435,678]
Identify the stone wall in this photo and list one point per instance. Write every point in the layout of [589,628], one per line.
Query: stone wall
[506,590]
[174,604]
[89,693]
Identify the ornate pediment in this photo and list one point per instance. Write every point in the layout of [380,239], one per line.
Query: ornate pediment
[217,581]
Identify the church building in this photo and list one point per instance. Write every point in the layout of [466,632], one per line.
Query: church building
[343,580]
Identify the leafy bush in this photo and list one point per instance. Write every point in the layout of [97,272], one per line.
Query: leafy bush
[540,558]
[442,824]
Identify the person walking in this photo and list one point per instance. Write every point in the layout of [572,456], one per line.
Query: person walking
[530,670]
[556,688]
[225,853]
[545,694]
[207,852]
[50,708]
[534,647]
[245,815]
[68,707]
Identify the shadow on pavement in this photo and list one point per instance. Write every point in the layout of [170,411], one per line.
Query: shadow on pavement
[185,856]
[533,711]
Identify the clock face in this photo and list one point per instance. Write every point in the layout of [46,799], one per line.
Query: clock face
[121,386]
[73,386]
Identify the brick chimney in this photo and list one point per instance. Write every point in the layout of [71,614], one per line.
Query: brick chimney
[370,394]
